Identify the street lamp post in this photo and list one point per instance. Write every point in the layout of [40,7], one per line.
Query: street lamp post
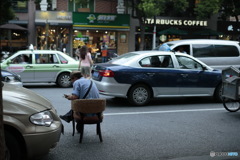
[154,33]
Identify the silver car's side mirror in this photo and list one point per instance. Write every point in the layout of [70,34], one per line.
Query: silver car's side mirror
[8,78]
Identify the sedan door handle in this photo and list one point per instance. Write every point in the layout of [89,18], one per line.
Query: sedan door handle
[151,74]
[184,75]
[56,66]
[28,66]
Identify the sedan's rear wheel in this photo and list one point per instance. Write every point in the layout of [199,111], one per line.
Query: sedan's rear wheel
[64,80]
[139,95]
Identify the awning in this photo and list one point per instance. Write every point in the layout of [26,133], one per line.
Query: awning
[11,26]
[207,32]
[53,18]
[173,31]
[42,22]
[97,27]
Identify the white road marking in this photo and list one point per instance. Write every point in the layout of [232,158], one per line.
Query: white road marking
[154,112]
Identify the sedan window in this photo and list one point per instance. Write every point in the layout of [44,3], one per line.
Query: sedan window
[188,63]
[157,61]
[123,58]
[22,59]
[45,58]
[62,59]
[145,62]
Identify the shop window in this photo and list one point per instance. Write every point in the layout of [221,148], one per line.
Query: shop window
[53,38]
[94,39]
[81,5]
[20,6]
[15,41]
[51,5]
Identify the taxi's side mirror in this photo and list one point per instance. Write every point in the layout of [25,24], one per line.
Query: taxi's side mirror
[8,62]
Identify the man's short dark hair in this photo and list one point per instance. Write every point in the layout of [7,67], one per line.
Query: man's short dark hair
[76,74]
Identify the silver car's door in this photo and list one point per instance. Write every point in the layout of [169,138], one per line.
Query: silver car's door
[22,65]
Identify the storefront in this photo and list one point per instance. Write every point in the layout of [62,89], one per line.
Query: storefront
[169,29]
[53,30]
[93,29]
[13,37]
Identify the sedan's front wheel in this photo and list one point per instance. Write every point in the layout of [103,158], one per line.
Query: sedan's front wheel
[64,80]
[139,95]
[218,93]
[13,147]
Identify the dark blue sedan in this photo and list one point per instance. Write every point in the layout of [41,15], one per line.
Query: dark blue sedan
[142,75]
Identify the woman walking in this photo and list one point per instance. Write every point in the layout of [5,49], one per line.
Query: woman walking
[85,62]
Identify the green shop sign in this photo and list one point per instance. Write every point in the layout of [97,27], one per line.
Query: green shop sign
[101,20]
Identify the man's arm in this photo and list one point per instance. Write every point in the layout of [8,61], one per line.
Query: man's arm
[71,97]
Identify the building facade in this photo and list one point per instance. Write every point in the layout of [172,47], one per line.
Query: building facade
[66,24]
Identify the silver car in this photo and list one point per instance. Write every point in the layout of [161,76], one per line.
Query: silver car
[31,124]
[218,54]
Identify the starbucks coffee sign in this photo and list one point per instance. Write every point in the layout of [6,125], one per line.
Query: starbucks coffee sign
[177,22]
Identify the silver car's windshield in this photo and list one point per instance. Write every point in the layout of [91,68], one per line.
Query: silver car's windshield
[123,58]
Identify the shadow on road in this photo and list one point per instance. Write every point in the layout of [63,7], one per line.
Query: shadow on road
[161,101]
[40,85]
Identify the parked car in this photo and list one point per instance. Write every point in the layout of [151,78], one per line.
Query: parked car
[142,75]
[31,124]
[218,54]
[47,66]
[11,77]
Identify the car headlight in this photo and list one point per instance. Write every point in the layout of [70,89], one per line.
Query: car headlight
[42,118]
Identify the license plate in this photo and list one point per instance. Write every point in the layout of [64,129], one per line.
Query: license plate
[95,74]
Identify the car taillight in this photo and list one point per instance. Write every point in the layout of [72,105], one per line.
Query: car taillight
[106,73]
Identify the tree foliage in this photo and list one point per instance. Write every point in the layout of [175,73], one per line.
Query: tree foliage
[176,8]
[230,8]
[206,8]
[149,8]
[226,8]
[6,11]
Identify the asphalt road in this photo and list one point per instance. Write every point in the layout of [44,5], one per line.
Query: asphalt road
[166,129]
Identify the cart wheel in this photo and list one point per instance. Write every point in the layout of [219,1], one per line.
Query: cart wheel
[231,105]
